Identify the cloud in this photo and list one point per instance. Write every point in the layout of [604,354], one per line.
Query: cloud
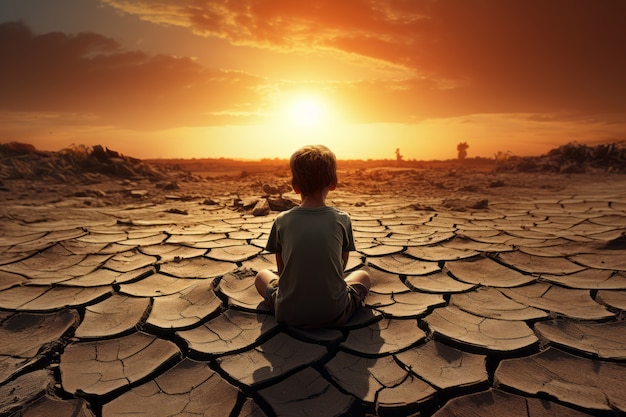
[562,58]
[478,55]
[91,74]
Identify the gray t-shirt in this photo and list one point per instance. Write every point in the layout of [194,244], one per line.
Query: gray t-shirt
[311,288]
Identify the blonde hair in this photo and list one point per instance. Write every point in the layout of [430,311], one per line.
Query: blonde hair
[313,167]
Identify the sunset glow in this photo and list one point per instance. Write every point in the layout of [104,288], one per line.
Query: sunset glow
[257,79]
[306,111]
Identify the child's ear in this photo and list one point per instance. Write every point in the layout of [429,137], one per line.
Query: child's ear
[296,189]
[332,186]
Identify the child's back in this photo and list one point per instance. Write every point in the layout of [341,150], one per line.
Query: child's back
[312,244]
[311,241]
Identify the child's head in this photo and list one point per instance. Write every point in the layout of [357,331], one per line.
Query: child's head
[313,168]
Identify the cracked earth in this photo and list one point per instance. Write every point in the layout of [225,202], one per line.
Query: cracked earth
[146,305]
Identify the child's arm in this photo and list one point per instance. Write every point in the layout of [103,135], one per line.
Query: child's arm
[279,263]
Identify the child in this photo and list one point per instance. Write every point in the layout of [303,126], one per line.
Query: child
[312,244]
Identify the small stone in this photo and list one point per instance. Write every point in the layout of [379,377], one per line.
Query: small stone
[281,203]
[262,208]
[138,193]
[171,186]
[177,211]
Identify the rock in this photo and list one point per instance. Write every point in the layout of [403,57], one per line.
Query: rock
[177,211]
[262,208]
[171,186]
[245,203]
[281,203]
[138,193]
[279,189]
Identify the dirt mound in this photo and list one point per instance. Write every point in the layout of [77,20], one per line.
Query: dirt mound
[572,158]
[23,161]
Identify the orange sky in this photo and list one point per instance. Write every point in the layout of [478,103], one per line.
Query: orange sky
[253,79]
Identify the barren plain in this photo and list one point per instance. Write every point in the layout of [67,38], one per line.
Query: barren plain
[126,288]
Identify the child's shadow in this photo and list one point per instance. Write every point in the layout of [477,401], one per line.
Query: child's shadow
[314,368]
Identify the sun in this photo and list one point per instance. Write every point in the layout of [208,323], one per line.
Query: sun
[306,111]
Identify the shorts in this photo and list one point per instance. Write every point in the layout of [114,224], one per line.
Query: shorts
[356,298]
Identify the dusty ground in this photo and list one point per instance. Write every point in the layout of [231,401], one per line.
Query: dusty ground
[134,294]
[413,185]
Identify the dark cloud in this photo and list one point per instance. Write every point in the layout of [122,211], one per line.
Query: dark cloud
[90,74]
[478,55]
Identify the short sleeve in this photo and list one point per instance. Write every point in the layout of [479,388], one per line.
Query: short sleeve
[273,244]
[348,242]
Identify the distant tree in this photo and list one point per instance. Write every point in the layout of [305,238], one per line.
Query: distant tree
[462,150]
[398,155]
[501,156]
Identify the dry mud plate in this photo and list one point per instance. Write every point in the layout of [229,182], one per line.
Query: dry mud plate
[117,299]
